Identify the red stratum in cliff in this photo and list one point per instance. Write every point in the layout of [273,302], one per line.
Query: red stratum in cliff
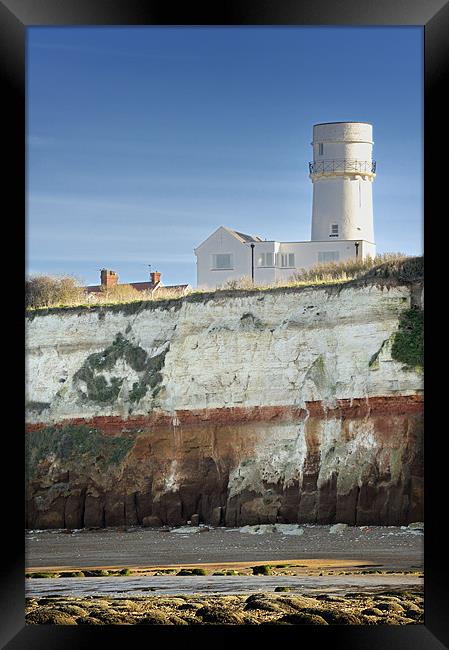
[245,407]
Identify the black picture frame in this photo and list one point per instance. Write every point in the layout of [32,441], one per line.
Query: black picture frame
[433,16]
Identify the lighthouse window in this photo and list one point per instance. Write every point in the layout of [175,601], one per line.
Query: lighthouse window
[328,256]
[320,149]
[334,230]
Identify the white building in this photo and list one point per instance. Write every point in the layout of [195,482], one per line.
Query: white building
[342,173]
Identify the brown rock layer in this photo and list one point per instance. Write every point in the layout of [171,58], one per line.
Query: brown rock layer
[360,463]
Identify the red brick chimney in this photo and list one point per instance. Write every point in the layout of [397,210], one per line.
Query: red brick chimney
[155,277]
[108,278]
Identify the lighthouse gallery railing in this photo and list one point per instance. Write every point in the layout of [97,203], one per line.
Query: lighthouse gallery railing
[361,166]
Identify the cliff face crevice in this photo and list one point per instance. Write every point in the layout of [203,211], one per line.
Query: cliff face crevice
[280,406]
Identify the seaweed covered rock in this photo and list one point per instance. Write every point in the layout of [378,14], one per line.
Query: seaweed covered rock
[219,615]
[302,618]
[49,617]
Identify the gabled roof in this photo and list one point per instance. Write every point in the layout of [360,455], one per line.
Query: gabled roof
[149,286]
[93,288]
[246,238]
[141,286]
[241,237]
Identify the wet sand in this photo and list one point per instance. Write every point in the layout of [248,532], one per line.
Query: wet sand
[391,548]
[125,587]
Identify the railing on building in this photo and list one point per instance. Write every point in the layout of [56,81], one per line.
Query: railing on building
[354,166]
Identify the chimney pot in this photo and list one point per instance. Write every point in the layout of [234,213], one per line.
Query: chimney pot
[155,277]
[108,278]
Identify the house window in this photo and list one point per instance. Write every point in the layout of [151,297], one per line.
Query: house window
[334,230]
[285,260]
[328,256]
[265,259]
[320,149]
[222,261]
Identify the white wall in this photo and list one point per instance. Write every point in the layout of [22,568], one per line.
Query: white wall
[306,255]
[342,197]
[221,241]
[348,133]
[368,249]
[346,201]
[216,359]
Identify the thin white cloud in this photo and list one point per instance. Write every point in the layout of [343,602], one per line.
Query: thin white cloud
[80,203]
[96,257]
[39,140]
[142,55]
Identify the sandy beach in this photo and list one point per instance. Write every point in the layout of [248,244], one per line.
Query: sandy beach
[391,548]
[189,576]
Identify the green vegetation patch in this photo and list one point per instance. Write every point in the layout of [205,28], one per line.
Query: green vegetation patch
[199,572]
[99,390]
[192,572]
[262,570]
[317,373]
[78,443]
[249,322]
[374,361]
[37,407]
[71,574]
[96,573]
[408,342]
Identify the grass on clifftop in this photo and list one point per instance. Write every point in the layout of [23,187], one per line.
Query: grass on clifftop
[389,266]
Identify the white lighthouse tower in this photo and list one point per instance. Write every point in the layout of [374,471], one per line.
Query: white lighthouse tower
[342,173]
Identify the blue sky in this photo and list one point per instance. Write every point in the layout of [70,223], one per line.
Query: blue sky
[141,141]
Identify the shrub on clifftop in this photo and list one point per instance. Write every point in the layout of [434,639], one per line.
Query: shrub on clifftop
[44,291]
